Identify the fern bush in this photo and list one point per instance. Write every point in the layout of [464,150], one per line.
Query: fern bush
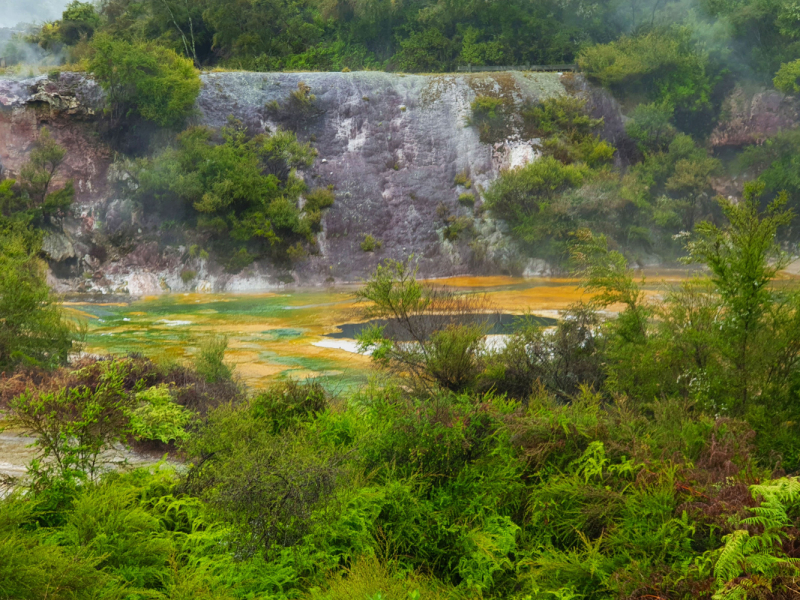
[753,556]
[158,417]
[528,472]
[295,493]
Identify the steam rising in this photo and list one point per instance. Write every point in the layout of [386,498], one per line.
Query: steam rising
[14,12]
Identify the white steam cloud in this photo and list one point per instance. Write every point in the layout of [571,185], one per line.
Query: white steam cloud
[15,12]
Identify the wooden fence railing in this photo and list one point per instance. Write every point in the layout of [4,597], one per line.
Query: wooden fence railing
[540,68]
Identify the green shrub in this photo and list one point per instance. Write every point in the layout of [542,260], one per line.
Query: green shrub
[158,417]
[287,404]
[10,202]
[127,540]
[534,359]
[474,52]
[37,175]
[489,115]
[787,79]
[444,350]
[523,196]
[776,161]
[320,198]
[297,109]
[243,191]
[456,227]
[33,329]
[720,361]
[679,181]
[662,66]
[590,150]
[487,107]
[369,579]
[463,179]
[560,115]
[519,192]
[297,252]
[188,275]
[29,565]
[78,21]
[651,128]
[210,360]
[370,244]
[33,199]
[237,261]
[426,51]
[568,131]
[466,199]
[453,355]
[75,427]
[145,79]
[270,489]
[746,250]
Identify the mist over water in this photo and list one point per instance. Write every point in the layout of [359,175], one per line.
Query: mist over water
[15,12]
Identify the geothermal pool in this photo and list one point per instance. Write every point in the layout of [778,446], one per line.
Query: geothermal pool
[283,334]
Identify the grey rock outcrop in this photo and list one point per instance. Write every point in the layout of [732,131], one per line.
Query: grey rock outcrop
[68,106]
[58,247]
[751,116]
[391,146]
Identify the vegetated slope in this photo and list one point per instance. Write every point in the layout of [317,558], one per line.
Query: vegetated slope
[651,455]
[316,177]
[392,146]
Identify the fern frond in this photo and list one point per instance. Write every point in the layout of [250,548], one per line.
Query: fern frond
[786,491]
[729,563]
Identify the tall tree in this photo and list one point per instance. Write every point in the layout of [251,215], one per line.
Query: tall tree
[33,329]
[744,259]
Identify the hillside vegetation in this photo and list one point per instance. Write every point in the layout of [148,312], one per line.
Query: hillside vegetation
[645,456]
[683,49]
[644,448]
[670,64]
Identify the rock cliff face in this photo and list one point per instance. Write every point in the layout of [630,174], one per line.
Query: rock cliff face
[391,145]
[751,116]
[68,107]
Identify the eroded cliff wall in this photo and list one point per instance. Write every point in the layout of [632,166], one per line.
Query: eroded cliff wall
[390,144]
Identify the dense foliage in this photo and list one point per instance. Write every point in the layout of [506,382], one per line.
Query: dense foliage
[35,198]
[680,51]
[33,330]
[649,455]
[242,191]
[145,80]
[575,185]
[641,456]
